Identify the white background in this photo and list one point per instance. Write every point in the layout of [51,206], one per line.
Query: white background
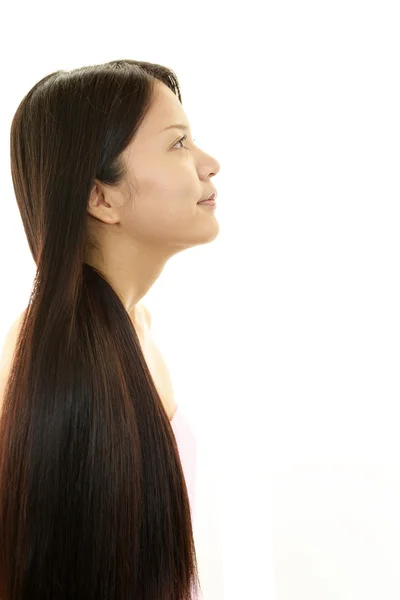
[283,335]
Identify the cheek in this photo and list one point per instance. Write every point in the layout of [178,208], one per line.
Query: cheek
[173,182]
[153,219]
[179,181]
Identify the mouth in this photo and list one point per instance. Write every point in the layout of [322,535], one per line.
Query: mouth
[211,203]
[210,200]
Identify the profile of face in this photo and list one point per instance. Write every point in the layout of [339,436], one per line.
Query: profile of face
[166,177]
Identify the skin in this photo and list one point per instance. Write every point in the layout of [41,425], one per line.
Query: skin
[154,214]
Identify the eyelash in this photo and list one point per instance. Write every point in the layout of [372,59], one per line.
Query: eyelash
[182,140]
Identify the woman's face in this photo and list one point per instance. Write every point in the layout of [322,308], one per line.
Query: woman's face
[167,180]
[153,214]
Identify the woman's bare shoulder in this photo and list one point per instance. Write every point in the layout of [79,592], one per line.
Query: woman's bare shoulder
[11,338]
[8,352]
[146,313]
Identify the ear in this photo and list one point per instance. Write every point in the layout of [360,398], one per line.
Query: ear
[99,206]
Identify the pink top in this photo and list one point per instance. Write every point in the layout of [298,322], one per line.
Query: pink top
[187,447]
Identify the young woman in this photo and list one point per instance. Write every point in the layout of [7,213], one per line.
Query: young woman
[93,499]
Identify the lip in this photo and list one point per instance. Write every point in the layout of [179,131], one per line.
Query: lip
[212,196]
[208,203]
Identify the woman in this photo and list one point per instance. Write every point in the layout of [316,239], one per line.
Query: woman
[93,499]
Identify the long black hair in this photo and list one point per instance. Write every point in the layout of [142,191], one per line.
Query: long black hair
[93,499]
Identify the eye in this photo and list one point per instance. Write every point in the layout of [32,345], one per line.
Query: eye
[181,142]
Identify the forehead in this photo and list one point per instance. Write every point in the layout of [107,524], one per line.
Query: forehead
[165,111]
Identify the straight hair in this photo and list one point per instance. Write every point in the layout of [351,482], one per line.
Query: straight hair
[93,498]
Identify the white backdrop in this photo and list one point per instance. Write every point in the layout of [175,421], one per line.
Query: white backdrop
[283,335]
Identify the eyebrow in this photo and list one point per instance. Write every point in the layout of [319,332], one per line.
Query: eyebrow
[177,126]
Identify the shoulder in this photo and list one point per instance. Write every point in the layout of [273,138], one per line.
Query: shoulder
[11,339]
[146,314]
[7,352]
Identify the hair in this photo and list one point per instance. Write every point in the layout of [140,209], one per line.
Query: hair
[93,498]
